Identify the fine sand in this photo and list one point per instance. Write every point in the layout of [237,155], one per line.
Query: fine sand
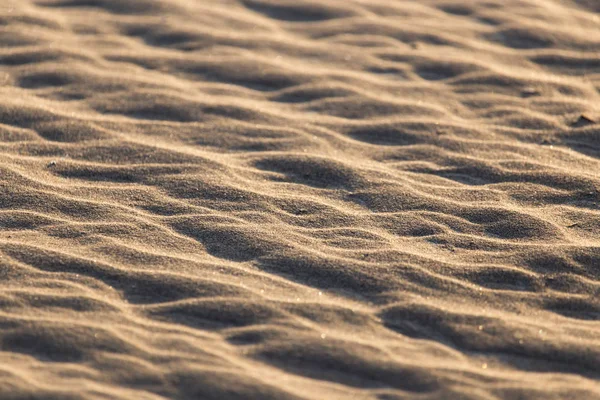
[295,199]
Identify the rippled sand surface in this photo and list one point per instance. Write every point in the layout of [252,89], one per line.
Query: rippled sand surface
[294,199]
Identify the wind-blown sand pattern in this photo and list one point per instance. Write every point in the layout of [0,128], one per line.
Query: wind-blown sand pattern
[293,199]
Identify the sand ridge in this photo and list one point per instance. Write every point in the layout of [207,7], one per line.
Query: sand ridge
[290,199]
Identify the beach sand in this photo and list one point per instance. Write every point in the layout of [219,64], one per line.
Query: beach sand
[294,199]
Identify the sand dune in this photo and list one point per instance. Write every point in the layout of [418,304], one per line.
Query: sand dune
[294,199]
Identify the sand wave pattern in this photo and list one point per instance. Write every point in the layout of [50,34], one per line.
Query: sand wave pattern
[292,199]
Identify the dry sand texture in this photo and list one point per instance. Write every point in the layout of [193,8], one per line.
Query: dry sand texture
[293,199]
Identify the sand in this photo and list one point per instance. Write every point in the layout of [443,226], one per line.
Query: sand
[294,199]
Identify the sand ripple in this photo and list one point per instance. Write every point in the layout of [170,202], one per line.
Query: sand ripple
[290,199]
